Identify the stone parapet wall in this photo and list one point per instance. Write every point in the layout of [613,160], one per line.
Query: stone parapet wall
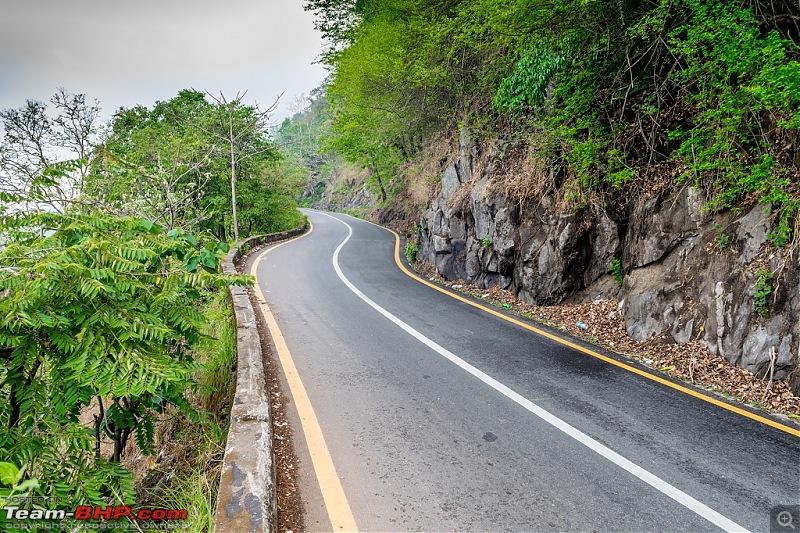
[247,499]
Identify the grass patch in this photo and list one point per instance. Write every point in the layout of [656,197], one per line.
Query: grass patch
[196,490]
[355,212]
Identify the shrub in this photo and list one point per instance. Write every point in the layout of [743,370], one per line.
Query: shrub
[97,312]
[411,252]
[762,290]
[616,270]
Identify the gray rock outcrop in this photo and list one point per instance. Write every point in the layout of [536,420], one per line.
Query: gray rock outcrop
[688,275]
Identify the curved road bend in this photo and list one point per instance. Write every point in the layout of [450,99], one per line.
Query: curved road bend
[438,416]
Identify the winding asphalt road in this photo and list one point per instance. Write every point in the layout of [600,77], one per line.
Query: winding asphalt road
[439,416]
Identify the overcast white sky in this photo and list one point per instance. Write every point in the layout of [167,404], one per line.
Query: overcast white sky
[124,53]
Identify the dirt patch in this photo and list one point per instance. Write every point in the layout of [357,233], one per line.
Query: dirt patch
[601,323]
[290,503]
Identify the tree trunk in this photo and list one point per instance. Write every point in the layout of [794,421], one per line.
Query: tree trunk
[233,182]
[13,399]
[233,199]
[383,190]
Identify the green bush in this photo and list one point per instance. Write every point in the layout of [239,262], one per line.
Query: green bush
[762,290]
[526,87]
[101,313]
[411,251]
[721,238]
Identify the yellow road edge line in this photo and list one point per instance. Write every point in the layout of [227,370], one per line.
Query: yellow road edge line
[587,351]
[339,512]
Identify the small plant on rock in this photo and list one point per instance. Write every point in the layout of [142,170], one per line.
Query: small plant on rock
[762,290]
[720,238]
[411,252]
[616,270]
[486,241]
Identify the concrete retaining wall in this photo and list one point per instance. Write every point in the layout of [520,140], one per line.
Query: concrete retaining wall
[247,499]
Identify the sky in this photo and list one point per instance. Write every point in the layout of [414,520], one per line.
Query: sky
[125,53]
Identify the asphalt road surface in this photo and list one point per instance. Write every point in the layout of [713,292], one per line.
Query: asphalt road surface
[434,415]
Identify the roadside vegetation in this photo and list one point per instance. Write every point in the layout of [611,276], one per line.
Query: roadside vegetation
[580,107]
[606,99]
[115,338]
[188,476]
[330,180]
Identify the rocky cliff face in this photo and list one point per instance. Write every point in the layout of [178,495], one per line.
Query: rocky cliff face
[687,275]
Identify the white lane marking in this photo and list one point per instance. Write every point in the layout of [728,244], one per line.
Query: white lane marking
[651,479]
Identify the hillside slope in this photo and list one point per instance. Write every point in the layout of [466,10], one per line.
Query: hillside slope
[642,151]
[685,274]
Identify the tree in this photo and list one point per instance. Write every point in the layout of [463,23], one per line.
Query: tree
[303,138]
[187,162]
[44,159]
[152,163]
[336,20]
[365,138]
[243,131]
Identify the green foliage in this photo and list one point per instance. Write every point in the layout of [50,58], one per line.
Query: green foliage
[13,485]
[194,486]
[302,136]
[411,251]
[102,317]
[617,271]
[363,136]
[745,88]
[12,482]
[762,290]
[619,173]
[629,91]
[97,313]
[306,142]
[155,164]
[527,86]
[216,351]
[195,491]
[486,241]
[721,238]
[172,165]
[393,84]
[408,68]
[789,207]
